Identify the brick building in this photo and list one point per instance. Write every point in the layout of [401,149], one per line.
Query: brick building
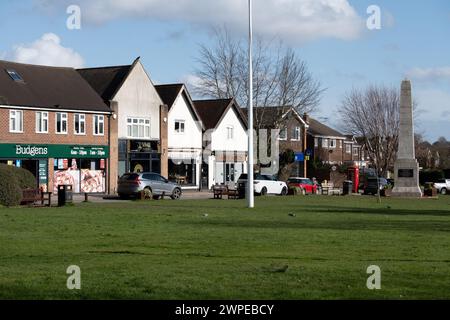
[55,125]
[329,146]
[292,134]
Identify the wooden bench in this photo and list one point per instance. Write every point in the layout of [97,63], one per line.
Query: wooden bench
[233,194]
[36,197]
[329,189]
[220,190]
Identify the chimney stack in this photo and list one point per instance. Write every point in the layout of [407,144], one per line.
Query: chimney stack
[306,118]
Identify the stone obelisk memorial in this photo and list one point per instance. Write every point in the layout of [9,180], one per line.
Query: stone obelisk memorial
[406,167]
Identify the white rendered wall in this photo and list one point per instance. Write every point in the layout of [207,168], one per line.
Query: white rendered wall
[192,137]
[219,139]
[138,98]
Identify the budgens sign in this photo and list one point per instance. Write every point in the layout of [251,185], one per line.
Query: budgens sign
[30,151]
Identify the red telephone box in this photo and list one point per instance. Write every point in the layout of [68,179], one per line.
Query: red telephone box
[353,175]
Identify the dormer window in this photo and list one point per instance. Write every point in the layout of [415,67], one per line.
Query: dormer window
[14,75]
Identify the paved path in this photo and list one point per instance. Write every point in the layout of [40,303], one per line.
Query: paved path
[188,194]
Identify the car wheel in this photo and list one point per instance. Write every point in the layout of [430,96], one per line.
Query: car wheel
[303,192]
[283,192]
[443,191]
[148,194]
[264,191]
[176,194]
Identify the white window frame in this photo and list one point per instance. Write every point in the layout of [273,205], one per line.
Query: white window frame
[340,144]
[79,125]
[17,115]
[284,136]
[97,120]
[333,143]
[145,123]
[316,142]
[297,131]
[325,143]
[181,126]
[355,151]
[348,148]
[230,132]
[62,120]
[40,122]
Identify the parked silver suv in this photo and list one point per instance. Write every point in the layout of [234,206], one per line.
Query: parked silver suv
[153,184]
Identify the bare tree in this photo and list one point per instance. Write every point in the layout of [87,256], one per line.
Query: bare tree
[373,115]
[280,77]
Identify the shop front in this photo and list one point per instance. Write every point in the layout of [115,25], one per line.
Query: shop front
[139,156]
[228,166]
[184,168]
[82,167]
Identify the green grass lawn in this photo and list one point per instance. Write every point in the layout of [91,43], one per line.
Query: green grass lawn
[170,250]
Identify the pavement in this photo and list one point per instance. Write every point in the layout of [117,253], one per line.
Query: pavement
[187,194]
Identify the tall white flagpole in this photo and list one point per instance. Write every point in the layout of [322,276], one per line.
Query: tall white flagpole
[250,185]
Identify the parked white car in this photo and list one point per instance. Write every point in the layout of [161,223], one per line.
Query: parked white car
[443,186]
[264,184]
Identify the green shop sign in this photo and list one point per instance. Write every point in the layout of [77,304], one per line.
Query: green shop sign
[52,151]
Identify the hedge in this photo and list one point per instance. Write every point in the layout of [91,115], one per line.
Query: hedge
[430,176]
[24,177]
[10,191]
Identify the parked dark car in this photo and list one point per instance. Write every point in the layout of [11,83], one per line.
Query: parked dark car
[153,184]
[370,186]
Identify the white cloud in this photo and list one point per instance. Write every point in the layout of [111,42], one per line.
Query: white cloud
[292,20]
[438,73]
[46,51]
[192,82]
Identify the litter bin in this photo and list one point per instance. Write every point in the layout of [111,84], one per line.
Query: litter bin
[65,195]
[241,190]
[347,187]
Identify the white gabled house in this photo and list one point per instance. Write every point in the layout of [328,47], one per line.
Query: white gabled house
[225,141]
[185,130]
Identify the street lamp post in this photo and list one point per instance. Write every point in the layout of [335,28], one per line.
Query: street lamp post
[250,185]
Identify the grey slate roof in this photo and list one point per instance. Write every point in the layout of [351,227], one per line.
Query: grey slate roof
[106,81]
[212,111]
[169,92]
[317,128]
[47,87]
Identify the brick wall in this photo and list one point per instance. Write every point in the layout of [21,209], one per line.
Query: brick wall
[113,150]
[164,143]
[333,155]
[295,145]
[29,134]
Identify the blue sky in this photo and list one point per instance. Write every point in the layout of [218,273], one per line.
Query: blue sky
[331,37]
